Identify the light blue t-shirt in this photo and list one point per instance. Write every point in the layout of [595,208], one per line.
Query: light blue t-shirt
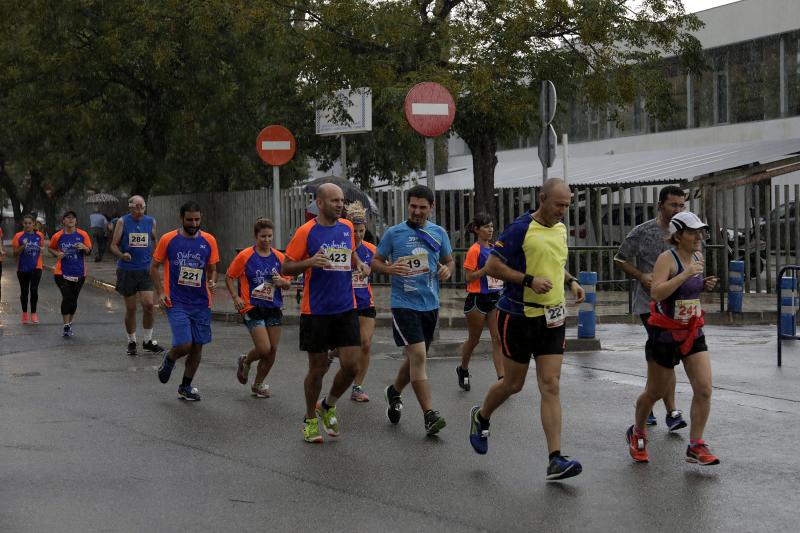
[420,289]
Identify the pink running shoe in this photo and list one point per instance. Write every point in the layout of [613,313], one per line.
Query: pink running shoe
[24,318]
[34,318]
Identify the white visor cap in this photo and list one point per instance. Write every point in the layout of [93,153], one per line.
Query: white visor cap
[685,220]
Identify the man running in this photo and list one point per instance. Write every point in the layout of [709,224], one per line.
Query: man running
[421,257]
[132,243]
[190,258]
[637,256]
[530,256]
[70,246]
[322,249]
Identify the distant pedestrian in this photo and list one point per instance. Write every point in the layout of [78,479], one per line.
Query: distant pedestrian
[98,225]
[70,246]
[28,245]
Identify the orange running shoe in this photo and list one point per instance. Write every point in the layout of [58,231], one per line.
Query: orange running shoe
[699,453]
[34,318]
[24,318]
[637,445]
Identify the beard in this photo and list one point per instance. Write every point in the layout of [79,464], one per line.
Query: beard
[191,230]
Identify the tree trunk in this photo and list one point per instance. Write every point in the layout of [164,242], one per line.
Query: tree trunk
[13,193]
[484,161]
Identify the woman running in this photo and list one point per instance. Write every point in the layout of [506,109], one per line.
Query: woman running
[482,294]
[28,245]
[362,286]
[677,318]
[259,300]
[70,245]
[2,258]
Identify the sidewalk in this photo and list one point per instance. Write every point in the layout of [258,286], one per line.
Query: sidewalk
[612,306]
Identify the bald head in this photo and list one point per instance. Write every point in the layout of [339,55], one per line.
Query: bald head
[554,184]
[554,200]
[330,200]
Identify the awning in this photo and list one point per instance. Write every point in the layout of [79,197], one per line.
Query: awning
[521,168]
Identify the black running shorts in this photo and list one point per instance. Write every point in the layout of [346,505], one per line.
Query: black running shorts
[410,326]
[129,282]
[320,333]
[522,337]
[668,354]
[484,303]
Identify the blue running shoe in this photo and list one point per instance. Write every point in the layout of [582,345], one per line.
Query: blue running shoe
[189,393]
[478,437]
[561,467]
[165,370]
[675,421]
[651,419]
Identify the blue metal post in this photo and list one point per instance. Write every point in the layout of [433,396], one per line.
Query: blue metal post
[735,286]
[788,310]
[587,318]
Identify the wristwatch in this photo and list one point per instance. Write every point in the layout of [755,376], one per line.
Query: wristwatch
[527,281]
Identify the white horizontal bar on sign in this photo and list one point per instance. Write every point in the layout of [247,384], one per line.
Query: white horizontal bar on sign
[276,145]
[430,109]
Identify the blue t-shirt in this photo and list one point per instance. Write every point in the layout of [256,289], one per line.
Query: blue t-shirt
[136,240]
[420,289]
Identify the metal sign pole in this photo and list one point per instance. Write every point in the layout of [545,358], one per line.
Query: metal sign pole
[430,170]
[276,205]
[343,141]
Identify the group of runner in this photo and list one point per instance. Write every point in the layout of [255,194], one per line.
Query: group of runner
[514,287]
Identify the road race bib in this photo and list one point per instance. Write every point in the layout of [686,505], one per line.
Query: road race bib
[555,315]
[494,283]
[686,309]
[137,240]
[360,280]
[339,259]
[265,291]
[418,263]
[73,279]
[190,277]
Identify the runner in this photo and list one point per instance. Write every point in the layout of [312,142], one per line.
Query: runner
[530,256]
[70,245]
[190,258]
[482,294]
[132,244]
[676,320]
[362,286]
[2,258]
[421,257]
[28,245]
[259,300]
[322,249]
[636,256]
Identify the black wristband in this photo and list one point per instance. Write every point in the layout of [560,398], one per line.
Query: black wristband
[527,281]
[570,281]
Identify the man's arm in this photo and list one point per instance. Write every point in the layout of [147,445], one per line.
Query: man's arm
[293,268]
[156,278]
[380,266]
[114,246]
[211,276]
[446,266]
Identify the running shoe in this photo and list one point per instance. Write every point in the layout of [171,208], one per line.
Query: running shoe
[675,421]
[311,430]
[152,346]
[433,422]
[478,437]
[637,445]
[242,369]
[700,454]
[188,393]
[165,370]
[358,394]
[651,419]
[329,421]
[395,402]
[260,391]
[561,467]
[24,318]
[132,348]
[68,331]
[463,377]
[34,318]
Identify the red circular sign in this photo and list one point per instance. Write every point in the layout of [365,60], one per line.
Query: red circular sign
[429,109]
[276,145]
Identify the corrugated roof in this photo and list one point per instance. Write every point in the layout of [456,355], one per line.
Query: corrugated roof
[521,168]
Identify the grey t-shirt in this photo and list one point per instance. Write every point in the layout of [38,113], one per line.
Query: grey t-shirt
[642,246]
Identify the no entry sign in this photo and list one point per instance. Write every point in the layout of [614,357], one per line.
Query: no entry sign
[429,109]
[275,145]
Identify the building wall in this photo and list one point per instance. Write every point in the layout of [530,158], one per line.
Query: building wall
[747,19]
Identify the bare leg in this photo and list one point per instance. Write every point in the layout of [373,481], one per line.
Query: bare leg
[348,365]
[193,360]
[658,379]
[501,390]
[312,385]
[548,376]
[475,321]
[497,354]
[698,369]
[148,309]
[367,326]
[130,314]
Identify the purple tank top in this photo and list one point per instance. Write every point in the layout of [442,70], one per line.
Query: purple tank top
[688,290]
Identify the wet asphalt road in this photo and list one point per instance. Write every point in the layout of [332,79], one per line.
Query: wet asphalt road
[91,441]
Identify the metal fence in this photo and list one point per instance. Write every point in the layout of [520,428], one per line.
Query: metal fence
[754,221]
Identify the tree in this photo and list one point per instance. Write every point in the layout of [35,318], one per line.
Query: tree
[492,56]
